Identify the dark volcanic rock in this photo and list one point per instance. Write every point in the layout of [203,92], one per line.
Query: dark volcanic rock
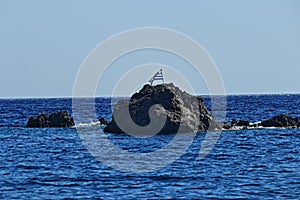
[103,121]
[283,120]
[243,123]
[233,122]
[59,119]
[227,125]
[180,109]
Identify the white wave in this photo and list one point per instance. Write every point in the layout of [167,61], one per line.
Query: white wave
[254,123]
[237,128]
[87,124]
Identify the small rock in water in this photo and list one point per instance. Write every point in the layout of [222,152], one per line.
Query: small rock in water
[283,120]
[58,119]
[234,122]
[103,121]
[243,123]
[227,125]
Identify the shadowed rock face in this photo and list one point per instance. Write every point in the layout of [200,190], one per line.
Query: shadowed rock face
[184,112]
[59,119]
[283,120]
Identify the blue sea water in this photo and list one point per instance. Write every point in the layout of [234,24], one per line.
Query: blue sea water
[53,163]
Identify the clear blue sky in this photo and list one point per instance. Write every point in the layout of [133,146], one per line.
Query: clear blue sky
[255,44]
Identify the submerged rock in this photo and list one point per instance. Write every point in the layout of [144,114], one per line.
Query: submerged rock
[58,119]
[181,112]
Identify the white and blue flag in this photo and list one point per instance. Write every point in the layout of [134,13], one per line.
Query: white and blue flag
[158,76]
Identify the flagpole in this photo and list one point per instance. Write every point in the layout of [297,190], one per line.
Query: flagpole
[162,77]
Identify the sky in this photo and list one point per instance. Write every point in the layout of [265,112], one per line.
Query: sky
[255,44]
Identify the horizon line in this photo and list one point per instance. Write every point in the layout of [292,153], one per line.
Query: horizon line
[121,96]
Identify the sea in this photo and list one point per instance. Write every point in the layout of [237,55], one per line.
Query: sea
[54,163]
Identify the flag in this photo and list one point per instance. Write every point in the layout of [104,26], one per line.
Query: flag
[157,76]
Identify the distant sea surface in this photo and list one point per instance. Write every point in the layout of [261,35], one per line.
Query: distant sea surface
[52,163]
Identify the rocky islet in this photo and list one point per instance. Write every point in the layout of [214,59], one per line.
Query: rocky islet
[184,113]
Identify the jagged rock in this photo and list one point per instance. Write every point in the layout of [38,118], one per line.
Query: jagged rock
[59,119]
[180,108]
[103,121]
[282,120]
[243,123]
[254,125]
[227,125]
[234,122]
